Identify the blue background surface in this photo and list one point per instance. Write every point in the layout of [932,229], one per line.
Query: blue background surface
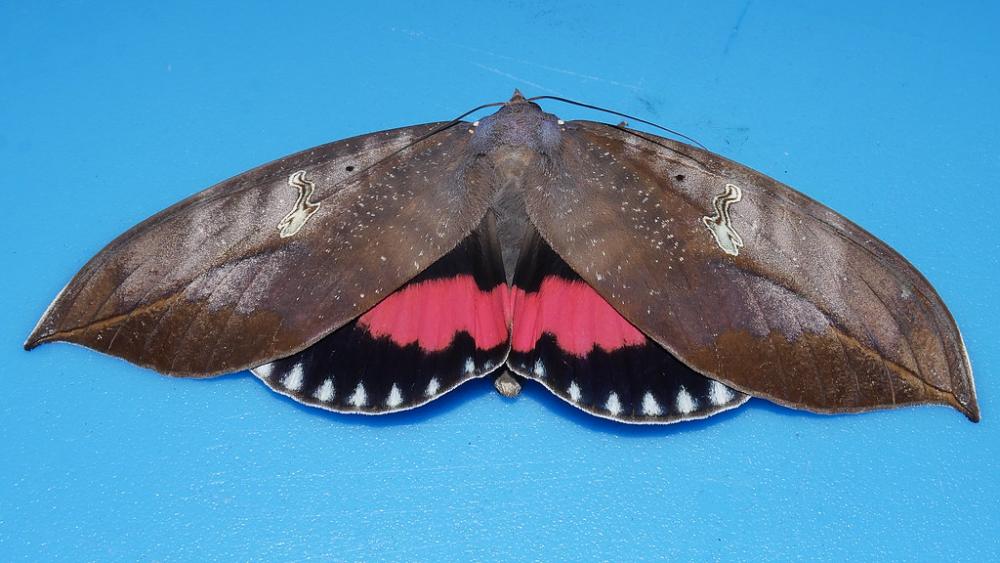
[109,113]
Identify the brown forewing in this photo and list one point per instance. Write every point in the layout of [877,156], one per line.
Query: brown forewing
[814,312]
[208,286]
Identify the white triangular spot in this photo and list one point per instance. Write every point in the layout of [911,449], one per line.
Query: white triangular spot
[395,397]
[293,381]
[685,402]
[613,405]
[649,405]
[325,391]
[264,370]
[432,387]
[539,369]
[359,398]
[470,366]
[574,391]
[719,394]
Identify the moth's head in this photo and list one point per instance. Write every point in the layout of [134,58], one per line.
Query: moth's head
[519,123]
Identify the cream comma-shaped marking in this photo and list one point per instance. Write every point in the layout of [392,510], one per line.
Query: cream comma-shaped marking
[720,225]
[303,209]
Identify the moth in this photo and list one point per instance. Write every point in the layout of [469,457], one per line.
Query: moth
[638,278]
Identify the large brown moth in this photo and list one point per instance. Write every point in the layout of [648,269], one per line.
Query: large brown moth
[636,277]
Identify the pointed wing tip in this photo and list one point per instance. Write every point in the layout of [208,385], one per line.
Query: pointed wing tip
[38,337]
[971,411]
[964,398]
[46,329]
[962,402]
[968,403]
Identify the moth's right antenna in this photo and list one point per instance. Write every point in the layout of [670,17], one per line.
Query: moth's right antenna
[619,114]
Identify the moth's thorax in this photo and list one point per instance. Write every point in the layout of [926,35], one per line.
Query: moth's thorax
[515,138]
[517,125]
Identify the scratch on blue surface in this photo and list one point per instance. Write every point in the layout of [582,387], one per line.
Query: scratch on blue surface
[736,28]
[94,453]
[568,72]
[515,78]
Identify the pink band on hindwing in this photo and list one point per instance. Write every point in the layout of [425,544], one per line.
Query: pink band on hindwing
[574,313]
[431,313]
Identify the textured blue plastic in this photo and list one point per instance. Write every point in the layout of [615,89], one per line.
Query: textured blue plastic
[110,112]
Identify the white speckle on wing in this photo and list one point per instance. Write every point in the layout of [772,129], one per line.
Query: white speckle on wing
[685,402]
[293,381]
[574,392]
[359,398]
[395,397]
[649,405]
[719,394]
[325,391]
[470,366]
[539,369]
[432,387]
[613,405]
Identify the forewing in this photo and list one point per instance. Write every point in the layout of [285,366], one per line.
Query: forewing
[746,280]
[440,329]
[264,264]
